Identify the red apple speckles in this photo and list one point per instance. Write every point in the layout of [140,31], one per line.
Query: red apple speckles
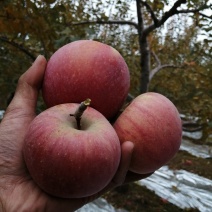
[153,124]
[67,162]
[83,69]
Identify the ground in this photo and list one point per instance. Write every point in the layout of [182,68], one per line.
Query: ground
[136,198]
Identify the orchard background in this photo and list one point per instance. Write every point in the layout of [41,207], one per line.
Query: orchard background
[166,44]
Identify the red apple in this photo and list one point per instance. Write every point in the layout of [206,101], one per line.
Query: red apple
[83,69]
[153,124]
[67,162]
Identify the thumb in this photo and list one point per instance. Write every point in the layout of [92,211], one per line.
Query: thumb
[29,84]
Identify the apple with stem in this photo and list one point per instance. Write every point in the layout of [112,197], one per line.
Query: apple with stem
[153,124]
[71,151]
[87,68]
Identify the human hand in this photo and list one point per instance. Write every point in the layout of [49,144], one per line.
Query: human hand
[18,192]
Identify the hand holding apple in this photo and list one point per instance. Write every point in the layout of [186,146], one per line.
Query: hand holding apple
[153,124]
[18,191]
[87,68]
[69,162]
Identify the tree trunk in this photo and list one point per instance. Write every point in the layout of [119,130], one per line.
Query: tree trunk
[144,50]
[145,64]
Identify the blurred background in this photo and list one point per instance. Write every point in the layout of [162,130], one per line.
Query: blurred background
[166,44]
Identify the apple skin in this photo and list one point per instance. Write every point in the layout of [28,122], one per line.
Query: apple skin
[83,69]
[153,124]
[67,162]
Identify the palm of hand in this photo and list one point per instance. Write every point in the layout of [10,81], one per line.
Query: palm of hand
[18,192]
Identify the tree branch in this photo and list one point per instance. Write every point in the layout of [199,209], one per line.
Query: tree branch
[206,16]
[173,11]
[159,66]
[157,23]
[104,22]
[139,16]
[156,58]
[154,18]
[190,126]
[165,17]
[197,10]
[20,47]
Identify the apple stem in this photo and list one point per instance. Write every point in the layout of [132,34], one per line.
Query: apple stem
[80,110]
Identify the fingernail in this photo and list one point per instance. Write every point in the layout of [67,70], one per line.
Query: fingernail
[38,58]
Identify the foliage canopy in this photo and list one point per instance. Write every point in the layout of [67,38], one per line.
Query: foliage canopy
[179,62]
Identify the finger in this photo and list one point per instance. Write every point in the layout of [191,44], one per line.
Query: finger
[126,154]
[29,83]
